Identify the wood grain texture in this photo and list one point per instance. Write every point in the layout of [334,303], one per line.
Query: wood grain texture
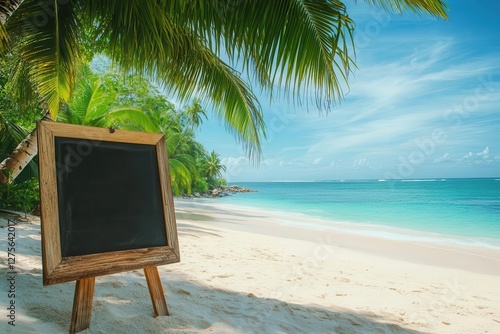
[168,199]
[78,267]
[82,305]
[57,269]
[156,291]
[93,133]
[51,245]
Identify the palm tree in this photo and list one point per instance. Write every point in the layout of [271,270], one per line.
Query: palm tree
[181,162]
[181,147]
[291,44]
[195,114]
[213,166]
[99,101]
[93,104]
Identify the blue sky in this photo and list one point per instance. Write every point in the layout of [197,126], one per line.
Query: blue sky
[423,103]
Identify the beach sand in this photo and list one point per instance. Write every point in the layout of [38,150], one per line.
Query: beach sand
[243,271]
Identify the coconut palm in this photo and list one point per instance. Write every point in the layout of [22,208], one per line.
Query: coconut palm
[297,45]
[93,104]
[195,114]
[182,148]
[213,165]
[181,160]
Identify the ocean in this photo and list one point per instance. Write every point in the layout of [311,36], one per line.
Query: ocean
[458,211]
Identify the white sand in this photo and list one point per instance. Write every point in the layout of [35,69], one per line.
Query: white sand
[242,272]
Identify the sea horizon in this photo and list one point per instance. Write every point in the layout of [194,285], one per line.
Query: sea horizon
[423,179]
[459,211]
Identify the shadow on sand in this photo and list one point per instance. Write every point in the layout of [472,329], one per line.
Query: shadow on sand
[122,304]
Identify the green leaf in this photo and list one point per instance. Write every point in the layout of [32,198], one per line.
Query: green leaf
[131,119]
[46,33]
[434,7]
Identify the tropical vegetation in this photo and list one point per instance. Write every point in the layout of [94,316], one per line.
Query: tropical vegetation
[291,47]
[133,103]
[139,105]
[288,45]
[14,121]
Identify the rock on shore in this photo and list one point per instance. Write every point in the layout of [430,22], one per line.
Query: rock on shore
[221,191]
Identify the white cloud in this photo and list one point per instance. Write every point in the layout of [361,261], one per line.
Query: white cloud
[231,161]
[360,162]
[482,157]
[317,161]
[484,153]
[467,157]
[444,158]
[235,166]
[267,163]
[427,54]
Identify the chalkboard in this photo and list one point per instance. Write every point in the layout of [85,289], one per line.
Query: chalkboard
[106,201]
[109,199]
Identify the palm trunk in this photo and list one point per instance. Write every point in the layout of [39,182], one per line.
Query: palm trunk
[14,164]
[7,7]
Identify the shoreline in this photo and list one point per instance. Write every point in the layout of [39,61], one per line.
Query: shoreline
[477,259]
[415,288]
[375,230]
[241,271]
[458,211]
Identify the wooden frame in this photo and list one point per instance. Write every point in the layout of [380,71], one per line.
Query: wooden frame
[59,269]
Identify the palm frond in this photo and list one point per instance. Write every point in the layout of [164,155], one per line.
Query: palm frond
[82,98]
[20,84]
[46,33]
[179,143]
[75,112]
[202,73]
[11,134]
[434,7]
[96,101]
[7,7]
[4,39]
[179,175]
[66,115]
[129,118]
[302,46]
[142,37]
[190,163]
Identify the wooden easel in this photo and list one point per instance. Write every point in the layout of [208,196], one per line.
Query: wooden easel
[84,294]
[63,261]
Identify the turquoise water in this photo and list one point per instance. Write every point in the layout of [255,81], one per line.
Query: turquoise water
[462,210]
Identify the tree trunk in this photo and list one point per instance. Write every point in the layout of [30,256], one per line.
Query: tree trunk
[7,7]
[14,164]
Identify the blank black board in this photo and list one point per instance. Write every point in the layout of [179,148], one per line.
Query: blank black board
[109,196]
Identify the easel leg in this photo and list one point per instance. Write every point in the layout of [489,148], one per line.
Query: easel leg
[156,291]
[82,305]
